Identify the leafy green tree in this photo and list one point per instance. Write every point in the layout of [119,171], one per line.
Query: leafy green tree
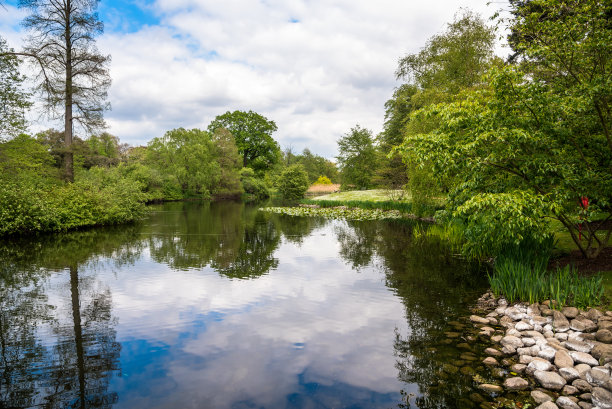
[527,149]
[357,158]
[104,150]
[254,188]
[451,64]
[230,163]
[187,159]
[314,165]
[253,135]
[14,101]
[73,76]
[293,183]
[25,156]
[453,60]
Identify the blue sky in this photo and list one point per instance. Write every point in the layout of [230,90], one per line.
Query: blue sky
[315,67]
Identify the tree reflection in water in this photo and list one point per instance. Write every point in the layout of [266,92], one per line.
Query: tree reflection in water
[435,288]
[75,370]
[62,351]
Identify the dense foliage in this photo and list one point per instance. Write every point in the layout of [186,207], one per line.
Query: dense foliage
[253,135]
[523,142]
[293,183]
[357,158]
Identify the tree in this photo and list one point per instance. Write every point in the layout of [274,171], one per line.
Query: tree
[357,158]
[13,99]
[533,145]
[253,135]
[226,154]
[449,64]
[73,75]
[186,157]
[293,183]
[453,60]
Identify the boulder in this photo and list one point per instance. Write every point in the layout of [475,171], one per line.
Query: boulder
[523,326]
[569,373]
[560,323]
[598,376]
[547,405]
[583,324]
[604,335]
[518,368]
[528,341]
[583,358]
[602,351]
[594,314]
[540,397]
[563,359]
[511,341]
[490,361]
[516,384]
[566,403]
[493,352]
[582,385]
[570,312]
[538,364]
[490,388]
[515,314]
[576,345]
[547,353]
[569,390]
[550,380]
[602,398]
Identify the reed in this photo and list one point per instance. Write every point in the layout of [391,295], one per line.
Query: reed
[519,281]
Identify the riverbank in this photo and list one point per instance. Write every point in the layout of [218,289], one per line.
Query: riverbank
[562,358]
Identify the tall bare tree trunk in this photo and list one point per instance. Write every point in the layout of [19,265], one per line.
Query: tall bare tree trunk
[68,156]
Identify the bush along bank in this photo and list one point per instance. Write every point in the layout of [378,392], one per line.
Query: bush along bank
[563,357]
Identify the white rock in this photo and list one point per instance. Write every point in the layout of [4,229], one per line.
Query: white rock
[561,336]
[576,345]
[602,398]
[547,353]
[566,403]
[515,313]
[583,358]
[538,364]
[512,341]
[523,326]
[527,341]
[569,374]
[550,380]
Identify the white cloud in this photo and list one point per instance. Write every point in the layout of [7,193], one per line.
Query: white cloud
[315,67]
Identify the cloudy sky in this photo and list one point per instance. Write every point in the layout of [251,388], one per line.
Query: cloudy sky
[315,67]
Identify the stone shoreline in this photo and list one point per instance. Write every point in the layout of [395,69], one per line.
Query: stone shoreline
[563,357]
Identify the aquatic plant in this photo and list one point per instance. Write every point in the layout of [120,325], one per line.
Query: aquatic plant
[405,207]
[518,281]
[336,212]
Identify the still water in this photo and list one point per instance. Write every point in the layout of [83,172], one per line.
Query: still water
[219,305]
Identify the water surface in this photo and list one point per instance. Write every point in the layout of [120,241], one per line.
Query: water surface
[219,305]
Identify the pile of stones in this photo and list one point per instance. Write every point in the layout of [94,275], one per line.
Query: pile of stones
[563,356]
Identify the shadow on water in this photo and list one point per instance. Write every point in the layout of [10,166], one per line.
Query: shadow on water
[58,341]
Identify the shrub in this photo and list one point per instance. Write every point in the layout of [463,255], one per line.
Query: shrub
[293,183]
[254,189]
[323,180]
[99,196]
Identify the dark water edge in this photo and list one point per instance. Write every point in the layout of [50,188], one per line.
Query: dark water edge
[215,304]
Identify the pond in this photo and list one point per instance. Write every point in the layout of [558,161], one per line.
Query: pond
[220,305]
